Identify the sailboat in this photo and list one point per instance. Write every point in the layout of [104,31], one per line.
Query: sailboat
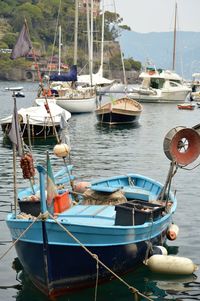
[64,90]
[161,85]
[101,83]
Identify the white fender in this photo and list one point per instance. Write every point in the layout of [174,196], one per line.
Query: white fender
[159,250]
[167,264]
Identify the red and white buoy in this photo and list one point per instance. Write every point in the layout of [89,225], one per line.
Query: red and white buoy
[172,232]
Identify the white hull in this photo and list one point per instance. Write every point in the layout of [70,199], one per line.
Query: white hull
[40,101]
[120,88]
[77,105]
[161,96]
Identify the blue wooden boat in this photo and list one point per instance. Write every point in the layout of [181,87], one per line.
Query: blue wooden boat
[58,253]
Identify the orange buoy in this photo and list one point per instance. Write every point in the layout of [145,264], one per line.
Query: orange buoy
[172,232]
[182,145]
[81,187]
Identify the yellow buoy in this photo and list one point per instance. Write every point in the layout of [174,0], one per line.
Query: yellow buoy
[167,264]
[61,150]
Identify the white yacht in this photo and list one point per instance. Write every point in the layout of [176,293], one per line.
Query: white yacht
[160,86]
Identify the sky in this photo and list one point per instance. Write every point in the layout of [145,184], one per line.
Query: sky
[157,15]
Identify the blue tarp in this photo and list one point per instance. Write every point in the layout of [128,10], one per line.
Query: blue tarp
[70,76]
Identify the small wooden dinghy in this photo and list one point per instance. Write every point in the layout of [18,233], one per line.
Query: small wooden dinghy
[122,110]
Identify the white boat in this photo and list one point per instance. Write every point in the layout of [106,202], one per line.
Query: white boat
[13,88]
[81,100]
[160,86]
[77,100]
[101,83]
[97,80]
[38,122]
[196,86]
[63,89]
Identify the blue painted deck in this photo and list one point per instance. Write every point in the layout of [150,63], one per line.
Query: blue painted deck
[95,215]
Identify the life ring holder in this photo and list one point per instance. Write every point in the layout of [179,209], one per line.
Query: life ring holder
[182,145]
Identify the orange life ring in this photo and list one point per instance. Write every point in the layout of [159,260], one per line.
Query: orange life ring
[151,72]
[182,145]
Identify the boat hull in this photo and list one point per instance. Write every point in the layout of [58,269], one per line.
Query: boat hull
[86,105]
[72,268]
[186,106]
[161,96]
[113,118]
[36,131]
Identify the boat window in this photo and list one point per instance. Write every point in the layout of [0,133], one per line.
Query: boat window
[157,83]
[173,84]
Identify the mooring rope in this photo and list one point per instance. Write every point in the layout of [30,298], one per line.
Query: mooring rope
[14,243]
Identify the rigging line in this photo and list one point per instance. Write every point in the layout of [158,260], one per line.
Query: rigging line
[131,288]
[97,278]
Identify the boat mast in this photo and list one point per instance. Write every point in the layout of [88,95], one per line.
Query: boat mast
[91,40]
[76,33]
[59,50]
[121,54]
[102,41]
[174,48]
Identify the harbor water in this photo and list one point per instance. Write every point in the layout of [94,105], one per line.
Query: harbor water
[100,151]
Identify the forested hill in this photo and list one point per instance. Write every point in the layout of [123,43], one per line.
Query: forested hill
[157,48]
[43,18]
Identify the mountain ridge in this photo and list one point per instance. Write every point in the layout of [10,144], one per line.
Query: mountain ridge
[157,48]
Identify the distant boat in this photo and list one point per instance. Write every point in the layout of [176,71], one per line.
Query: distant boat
[186,106]
[64,88]
[160,86]
[36,122]
[122,110]
[19,94]
[13,88]
[61,92]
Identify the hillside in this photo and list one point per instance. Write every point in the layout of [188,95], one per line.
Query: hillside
[158,48]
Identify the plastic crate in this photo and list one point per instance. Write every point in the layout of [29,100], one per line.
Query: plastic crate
[62,202]
[136,212]
[30,207]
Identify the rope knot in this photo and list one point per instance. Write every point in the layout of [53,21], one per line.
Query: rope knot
[44,216]
[95,256]
[133,290]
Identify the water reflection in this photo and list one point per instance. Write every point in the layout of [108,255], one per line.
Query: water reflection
[154,286]
[116,127]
